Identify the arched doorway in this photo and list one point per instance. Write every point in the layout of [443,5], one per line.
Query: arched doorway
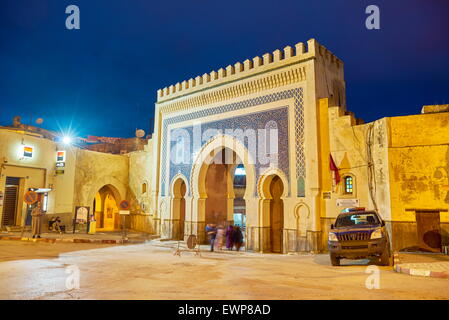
[272,218]
[202,188]
[179,207]
[276,214]
[105,207]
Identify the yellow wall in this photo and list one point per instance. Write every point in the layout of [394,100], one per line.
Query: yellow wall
[38,171]
[419,164]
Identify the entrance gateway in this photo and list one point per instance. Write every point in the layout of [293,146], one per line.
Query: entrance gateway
[263,113]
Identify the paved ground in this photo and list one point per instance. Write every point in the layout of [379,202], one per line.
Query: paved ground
[151,271]
[116,236]
[424,264]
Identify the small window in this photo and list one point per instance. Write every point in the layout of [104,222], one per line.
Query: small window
[349,187]
[144,187]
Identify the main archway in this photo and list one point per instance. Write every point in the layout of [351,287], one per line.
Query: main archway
[212,181]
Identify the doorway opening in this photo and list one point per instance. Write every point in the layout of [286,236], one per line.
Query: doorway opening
[179,206]
[10,204]
[106,209]
[225,189]
[428,229]
[239,185]
[274,212]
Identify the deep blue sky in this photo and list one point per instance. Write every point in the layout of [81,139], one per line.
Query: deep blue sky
[103,78]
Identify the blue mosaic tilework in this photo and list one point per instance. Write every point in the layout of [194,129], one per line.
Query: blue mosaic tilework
[254,121]
[296,93]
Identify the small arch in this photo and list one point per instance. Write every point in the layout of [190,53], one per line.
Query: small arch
[302,215]
[265,179]
[175,183]
[178,205]
[272,190]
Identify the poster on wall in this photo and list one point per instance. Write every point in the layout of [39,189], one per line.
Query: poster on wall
[27,151]
[81,216]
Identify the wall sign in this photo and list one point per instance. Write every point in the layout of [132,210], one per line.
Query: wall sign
[27,152]
[348,203]
[60,162]
[60,156]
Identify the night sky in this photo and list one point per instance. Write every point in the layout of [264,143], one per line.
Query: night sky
[102,79]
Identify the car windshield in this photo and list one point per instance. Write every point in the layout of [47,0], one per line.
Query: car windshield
[357,219]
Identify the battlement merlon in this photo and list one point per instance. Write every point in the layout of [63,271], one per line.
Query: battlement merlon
[249,67]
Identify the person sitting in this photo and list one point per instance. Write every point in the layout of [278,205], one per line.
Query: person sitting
[55,224]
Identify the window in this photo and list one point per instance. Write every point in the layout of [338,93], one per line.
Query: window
[349,188]
[144,188]
[357,219]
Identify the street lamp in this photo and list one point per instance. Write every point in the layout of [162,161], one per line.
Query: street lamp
[66,140]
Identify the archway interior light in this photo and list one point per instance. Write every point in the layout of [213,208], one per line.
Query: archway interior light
[240,171]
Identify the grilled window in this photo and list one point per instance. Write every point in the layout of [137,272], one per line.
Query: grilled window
[349,188]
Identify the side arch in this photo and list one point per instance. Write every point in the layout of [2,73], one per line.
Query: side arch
[264,183]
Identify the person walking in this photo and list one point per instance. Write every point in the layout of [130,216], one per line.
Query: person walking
[238,238]
[220,237]
[211,232]
[230,237]
[36,221]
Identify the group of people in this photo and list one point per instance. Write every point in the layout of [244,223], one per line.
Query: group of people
[37,214]
[232,235]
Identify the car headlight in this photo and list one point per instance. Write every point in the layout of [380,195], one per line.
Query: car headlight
[376,234]
[332,236]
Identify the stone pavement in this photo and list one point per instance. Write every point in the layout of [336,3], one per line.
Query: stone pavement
[422,264]
[80,237]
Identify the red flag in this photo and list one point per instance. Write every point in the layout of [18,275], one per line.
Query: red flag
[334,168]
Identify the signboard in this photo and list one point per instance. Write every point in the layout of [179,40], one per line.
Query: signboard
[60,162]
[124,205]
[348,203]
[124,212]
[30,197]
[191,241]
[27,152]
[60,156]
[81,216]
[60,168]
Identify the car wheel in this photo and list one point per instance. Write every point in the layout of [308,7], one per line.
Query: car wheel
[385,258]
[334,260]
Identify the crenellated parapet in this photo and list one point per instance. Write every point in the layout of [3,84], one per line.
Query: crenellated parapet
[250,67]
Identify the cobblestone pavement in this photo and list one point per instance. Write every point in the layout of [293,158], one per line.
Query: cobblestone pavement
[150,270]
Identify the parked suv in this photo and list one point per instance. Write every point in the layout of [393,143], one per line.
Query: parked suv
[359,234]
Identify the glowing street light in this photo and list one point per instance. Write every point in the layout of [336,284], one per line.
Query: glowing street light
[66,140]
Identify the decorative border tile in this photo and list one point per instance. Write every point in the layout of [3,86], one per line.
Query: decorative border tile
[296,93]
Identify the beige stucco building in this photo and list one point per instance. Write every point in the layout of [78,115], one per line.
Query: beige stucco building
[281,118]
